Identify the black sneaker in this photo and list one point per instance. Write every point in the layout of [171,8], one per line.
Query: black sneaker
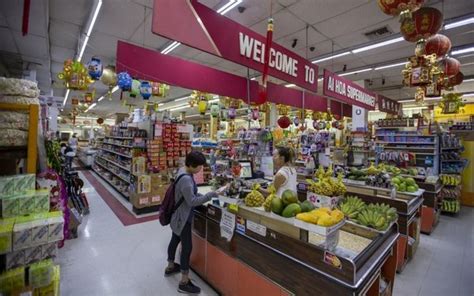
[189,288]
[175,269]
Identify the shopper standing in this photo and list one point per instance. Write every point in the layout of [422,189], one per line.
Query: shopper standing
[181,221]
[285,178]
[73,142]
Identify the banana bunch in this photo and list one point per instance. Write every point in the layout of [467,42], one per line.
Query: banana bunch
[451,206]
[326,185]
[453,180]
[372,170]
[388,212]
[372,219]
[254,198]
[267,205]
[352,206]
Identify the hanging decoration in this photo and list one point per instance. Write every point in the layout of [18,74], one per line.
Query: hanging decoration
[450,66]
[145,90]
[284,121]
[109,78]
[135,90]
[88,98]
[438,44]
[451,103]
[232,113]
[262,94]
[424,23]
[95,68]
[75,75]
[100,120]
[453,81]
[159,89]
[202,107]
[296,121]
[395,7]
[215,110]
[124,81]
[254,114]
[201,100]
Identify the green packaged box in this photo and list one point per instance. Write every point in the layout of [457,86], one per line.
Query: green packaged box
[27,203]
[22,233]
[12,280]
[25,183]
[39,231]
[56,226]
[41,273]
[9,206]
[6,234]
[33,254]
[41,201]
[14,259]
[7,185]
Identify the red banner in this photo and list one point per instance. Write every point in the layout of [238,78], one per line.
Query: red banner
[198,26]
[347,91]
[388,105]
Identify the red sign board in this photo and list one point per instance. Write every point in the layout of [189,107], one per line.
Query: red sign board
[347,91]
[198,26]
[388,105]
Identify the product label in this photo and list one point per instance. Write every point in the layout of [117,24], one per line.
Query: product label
[227,225]
[257,228]
[332,260]
[240,225]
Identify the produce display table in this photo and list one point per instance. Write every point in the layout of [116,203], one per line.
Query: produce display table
[409,209]
[430,210]
[273,257]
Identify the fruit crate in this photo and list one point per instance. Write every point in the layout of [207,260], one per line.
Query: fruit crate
[368,231]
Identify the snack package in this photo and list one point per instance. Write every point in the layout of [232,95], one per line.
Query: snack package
[39,230]
[6,234]
[26,203]
[56,225]
[49,250]
[53,288]
[33,254]
[22,234]
[41,201]
[7,186]
[9,206]
[14,259]
[12,280]
[41,273]
[25,183]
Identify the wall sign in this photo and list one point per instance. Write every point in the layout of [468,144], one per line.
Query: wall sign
[388,105]
[198,26]
[347,91]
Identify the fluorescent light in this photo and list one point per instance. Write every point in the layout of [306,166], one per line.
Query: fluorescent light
[469,80]
[227,7]
[89,30]
[181,99]
[463,50]
[390,66]
[100,99]
[116,88]
[331,57]
[170,47]
[425,100]
[468,95]
[356,72]
[160,104]
[376,45]
[65,97]
[174,107]
[460,23]
[253,78]
[415,108]
[179,108]
[290,85]
[214,101]
[90,107]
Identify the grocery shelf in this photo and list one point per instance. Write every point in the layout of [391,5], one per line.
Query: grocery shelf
[406,135]
[114,173]
[112,184]
[453,160]
[451,148]
[123,138]
[118,153]
[408,143]
[126,146]
[409,148]
[115,163]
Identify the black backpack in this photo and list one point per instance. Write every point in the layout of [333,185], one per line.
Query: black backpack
[168,206]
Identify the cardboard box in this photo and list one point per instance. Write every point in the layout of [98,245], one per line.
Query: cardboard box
[15,259]
[6,235]
[49,250]
[10,206]
[22,235]
[27,203]
[33,254]
[138,165]
[41,201]
[39,231]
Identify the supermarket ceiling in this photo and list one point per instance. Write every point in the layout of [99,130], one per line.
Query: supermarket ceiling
[333,26]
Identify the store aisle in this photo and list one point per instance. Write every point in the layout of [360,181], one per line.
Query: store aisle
[443,264]
[111,259]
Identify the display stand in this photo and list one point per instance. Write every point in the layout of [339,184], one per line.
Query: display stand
[32,153]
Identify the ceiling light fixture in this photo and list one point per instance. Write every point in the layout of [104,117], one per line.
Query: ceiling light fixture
[331,57]
[181,99]
[290,85]
[160,104]
[89,29]
[469,80]
[462,50]
[214,101]
[90,107]
[253,78]
[65,97]
[356,72]
[170,47]
[390,66]
[460,23]
[179,108]
[377,45]
[228,6]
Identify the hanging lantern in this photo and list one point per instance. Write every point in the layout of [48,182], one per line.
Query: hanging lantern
[75,75]
[456,79]
[202,107]
[438,45]
[163,90]
[215,109]
[135,90]
[232,113]
[145,90]
[284,121]
[155,89]
[74,101]
[254,114]
[109,78]
[450,66]
[100,120]
[395,7]
[95,68]
[419,95]
[424,23]
[296,120]
[124,81]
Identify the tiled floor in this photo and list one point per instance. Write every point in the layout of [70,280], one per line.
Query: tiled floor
[109,258]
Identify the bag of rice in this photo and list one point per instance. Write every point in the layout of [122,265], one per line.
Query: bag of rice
[18,87]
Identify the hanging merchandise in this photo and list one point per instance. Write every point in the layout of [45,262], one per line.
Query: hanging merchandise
[296,120]
[95,68]
[284,121]
[109,78]
[135,90]
[424,23]
[145,90]
[202,107]
[254,114]
[75,75]
[396,7]
[262,94]
[215,110]
[451,103]
[124,81]
[88,98]
[201,100]
[232,113]
[100,120]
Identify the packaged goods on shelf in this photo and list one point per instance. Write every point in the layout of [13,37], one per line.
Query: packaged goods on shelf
[6,239]
[13,120]
[18,87]
[12,280]
[17,184]
[41,273]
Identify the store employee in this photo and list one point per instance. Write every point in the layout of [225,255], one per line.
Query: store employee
[285,178]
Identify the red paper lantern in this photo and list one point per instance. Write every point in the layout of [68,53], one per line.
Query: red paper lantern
[437,44]
[450,66]
[424,23]
[394,7]
[456,79]
[284,122]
